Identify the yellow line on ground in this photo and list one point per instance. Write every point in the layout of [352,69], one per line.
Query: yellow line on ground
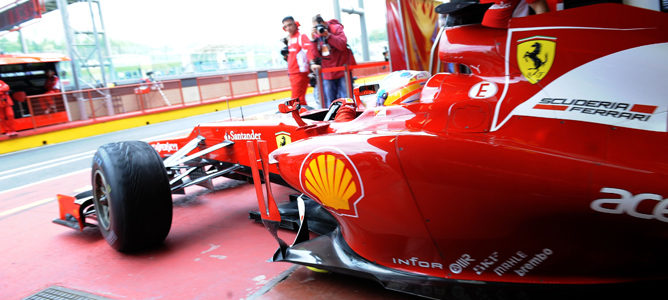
[22,143]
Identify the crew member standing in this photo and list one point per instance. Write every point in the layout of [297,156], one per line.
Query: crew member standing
[51,87]
[331,47]
[299,53]
[6,111]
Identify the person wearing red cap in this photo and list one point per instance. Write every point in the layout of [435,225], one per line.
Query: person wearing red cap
[6,111]
[299,53]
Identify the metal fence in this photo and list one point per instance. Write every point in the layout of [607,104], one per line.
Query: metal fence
[154,96]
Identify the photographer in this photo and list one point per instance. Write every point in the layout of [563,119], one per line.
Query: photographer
[298,54]
[331,50]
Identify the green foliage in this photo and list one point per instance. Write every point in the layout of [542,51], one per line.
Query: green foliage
[46,46]
[8,46]
[14,46]
[378,35]
[127,47]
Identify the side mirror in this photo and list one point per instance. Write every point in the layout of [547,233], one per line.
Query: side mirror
[368,89]
[364,90]
[289,106]
[292,106]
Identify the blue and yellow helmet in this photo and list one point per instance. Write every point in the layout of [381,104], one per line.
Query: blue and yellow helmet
[401,87]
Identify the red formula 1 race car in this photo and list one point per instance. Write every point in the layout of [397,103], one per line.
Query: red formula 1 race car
[544,160]
[540,160]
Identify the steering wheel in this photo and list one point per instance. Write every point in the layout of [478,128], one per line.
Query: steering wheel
[333,108]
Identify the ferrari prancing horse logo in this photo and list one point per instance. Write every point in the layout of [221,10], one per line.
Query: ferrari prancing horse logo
[535,56]
[282,139]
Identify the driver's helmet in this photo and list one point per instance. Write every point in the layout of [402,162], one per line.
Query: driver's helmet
[401,87]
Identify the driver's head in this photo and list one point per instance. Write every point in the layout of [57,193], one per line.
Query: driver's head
[401,87]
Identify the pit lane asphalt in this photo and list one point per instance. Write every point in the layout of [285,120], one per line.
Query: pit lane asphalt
[28,167]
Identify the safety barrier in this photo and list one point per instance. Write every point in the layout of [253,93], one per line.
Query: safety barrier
[157,96]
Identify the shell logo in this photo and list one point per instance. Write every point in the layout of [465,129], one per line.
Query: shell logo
[333,180]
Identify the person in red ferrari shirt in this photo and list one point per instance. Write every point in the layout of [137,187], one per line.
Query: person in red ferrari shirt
[299,54]
[331,49]
[51,86]
[6,111]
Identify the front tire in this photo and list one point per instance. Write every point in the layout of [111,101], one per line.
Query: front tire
[132,196]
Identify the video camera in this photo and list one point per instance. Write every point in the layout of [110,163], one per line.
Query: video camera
[285,51]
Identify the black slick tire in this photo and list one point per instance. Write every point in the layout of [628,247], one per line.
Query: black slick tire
[132,196]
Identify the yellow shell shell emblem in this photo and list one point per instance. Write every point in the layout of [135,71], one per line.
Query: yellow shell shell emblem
[535,56]
[333,181]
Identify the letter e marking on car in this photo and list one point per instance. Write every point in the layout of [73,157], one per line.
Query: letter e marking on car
[483,90]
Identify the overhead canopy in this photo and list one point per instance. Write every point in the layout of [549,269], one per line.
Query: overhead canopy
[15,13]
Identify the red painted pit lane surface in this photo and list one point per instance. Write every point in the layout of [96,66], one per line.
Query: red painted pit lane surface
[212,252]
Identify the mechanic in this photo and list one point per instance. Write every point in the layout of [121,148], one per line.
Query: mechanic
[331,50]
[299,53]
[51,87]
[6,111]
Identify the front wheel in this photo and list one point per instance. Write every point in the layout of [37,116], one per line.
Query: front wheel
[132,196]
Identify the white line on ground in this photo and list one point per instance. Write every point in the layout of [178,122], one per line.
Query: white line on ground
[46,163]
[158,137]
[25,207]
[45,167]
[42,181]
